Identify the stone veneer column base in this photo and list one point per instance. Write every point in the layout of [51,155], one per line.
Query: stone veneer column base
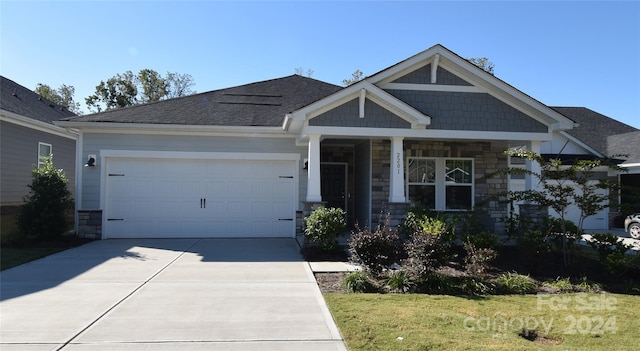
[90,224]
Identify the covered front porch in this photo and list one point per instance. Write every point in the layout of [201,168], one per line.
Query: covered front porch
[372,177]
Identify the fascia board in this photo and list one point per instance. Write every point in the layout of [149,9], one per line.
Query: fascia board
[10,117]
[172,129]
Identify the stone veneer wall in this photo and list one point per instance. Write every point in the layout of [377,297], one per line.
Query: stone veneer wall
[488,157]
[90,224]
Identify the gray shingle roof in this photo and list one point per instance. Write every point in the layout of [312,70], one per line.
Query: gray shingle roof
[22,101]
[625,144]
[594,127]
[261,104]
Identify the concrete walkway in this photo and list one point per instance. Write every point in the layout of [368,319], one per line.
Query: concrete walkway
[194,294]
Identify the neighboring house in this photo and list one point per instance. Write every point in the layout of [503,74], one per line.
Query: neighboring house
[252,160]
[627,144]
[593,136]
[26,135]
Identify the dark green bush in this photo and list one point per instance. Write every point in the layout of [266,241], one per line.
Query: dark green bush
[324,225]
[612,252]
[374,250]
[399,281]
[43,216]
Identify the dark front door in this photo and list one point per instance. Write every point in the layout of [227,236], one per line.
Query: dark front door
[333,184]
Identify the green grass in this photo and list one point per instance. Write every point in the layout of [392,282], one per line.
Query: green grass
[437,322]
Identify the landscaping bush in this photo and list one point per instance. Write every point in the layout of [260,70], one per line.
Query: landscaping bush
[374,250]
[399,281]
[436,283]
[560,284]
[484,240]
[477,286]
[478,260]
[514,283]
[429,247]
[358,281]
[612,253]
[324,225]
[43,216]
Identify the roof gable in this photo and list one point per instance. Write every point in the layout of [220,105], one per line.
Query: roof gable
[17,99]
[439,69]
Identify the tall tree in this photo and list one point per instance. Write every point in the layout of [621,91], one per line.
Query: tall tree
[148,85]
[62,96]
[483,63]
[118,91]
[355,77]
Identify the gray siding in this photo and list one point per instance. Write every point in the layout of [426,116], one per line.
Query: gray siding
[347,115]
[468,111]
[19,154]
[423,76]
[93,143]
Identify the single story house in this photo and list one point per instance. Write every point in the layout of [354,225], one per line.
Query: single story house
[27,134]
[253,160]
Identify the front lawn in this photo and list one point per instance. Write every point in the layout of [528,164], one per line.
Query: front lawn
[576,321]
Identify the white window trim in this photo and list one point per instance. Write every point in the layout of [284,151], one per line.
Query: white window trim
[440,181]
[40,162]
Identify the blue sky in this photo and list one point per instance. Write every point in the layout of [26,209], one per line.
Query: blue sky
[563,53]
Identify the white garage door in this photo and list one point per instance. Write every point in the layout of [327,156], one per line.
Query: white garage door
[169,198]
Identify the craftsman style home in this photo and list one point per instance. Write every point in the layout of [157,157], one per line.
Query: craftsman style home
[252,160]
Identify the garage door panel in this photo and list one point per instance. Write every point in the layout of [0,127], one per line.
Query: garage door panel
[162,198]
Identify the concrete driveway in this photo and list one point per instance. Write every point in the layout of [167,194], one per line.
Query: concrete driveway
[166,294]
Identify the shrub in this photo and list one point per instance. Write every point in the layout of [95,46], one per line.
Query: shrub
[484,240]
[478,260]
[477,286]
[43,216]
[324,225]
[586,285]
[435,283]
[612,252]
[429,247]
[561,284]
[358,281]
[374,250]
[514,283]
[399,281]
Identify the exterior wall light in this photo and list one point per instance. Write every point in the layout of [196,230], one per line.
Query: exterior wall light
[91,161]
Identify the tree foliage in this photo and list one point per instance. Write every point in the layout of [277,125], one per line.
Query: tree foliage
[126,89]
[356,76]
[43,216]
[562,185]
[483,63]
[62,96]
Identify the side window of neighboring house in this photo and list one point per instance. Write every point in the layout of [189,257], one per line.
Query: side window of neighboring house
[44,150]
[441,183]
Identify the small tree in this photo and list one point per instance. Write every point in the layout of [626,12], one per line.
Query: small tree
[559,185]
[43,214]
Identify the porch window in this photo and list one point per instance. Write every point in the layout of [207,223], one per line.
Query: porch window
[441,183]
[44,150]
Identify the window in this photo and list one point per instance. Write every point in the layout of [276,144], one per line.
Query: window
[44,150]
[441,183]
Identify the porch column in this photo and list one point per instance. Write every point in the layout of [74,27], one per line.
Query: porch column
[396,179]
[313,170]
[531,182]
